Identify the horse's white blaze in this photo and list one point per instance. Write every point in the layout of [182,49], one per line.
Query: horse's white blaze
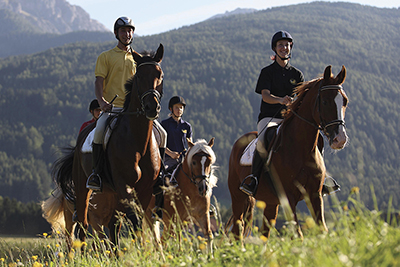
[203,163]
[341,138]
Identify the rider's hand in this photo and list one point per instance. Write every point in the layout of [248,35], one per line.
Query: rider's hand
[286,100]
[105,106]
[175,155]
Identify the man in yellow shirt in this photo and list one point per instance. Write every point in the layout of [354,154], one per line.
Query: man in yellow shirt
[113,68]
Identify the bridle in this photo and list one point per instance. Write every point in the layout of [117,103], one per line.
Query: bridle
[192,177]
[322,125]
[152,91]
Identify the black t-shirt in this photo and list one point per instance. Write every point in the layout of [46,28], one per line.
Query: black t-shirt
[280,82]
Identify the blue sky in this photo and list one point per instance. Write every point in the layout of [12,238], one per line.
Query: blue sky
[162,15]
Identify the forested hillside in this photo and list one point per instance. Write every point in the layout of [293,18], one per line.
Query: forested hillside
[214,65]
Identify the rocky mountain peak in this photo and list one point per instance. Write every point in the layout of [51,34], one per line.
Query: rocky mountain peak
[53,16]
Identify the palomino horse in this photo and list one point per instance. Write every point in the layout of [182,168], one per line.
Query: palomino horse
[295,168]
[58,211]
[133,160]
[190,199]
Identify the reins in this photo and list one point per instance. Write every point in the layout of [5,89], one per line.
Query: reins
[323,127]
[152,91]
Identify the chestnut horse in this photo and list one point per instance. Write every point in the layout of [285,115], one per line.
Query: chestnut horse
[190,199]
[133,159]
[295,168]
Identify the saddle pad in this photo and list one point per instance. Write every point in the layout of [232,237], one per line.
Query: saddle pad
[247,157]
[87,145]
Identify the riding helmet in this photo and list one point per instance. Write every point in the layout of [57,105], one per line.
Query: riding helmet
[123,22]
[281,35]
[176,100]
[93,105]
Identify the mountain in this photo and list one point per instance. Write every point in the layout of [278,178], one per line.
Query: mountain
[30,26]
[237,11]
[50,16]
[214,65]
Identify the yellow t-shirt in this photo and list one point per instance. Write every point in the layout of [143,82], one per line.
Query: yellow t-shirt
[116,67]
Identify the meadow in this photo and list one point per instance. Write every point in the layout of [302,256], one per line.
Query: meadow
[357,237]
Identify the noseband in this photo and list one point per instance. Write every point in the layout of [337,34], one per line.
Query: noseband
[193,177]
[323,126]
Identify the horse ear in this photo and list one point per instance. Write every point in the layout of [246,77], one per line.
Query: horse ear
[328,73]
[342,75]
[160,53]
[137,57]
[211,143]
[190,143]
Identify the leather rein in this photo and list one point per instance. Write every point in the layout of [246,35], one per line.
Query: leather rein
[323,126]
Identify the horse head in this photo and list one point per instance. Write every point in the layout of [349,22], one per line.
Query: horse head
[149,82]
[200,158]
[332,102]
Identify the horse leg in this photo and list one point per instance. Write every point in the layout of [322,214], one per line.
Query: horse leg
[82,195]
[270,214]
[69,224]
[293,205]
[317,204]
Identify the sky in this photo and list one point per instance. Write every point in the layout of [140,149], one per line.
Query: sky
[157,16]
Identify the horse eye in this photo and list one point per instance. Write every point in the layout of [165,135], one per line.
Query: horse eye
[324,102]
[194,162]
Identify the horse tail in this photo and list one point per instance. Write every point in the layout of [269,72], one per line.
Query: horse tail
[53,210]
[62,173]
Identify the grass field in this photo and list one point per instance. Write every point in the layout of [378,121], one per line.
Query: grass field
[357,237]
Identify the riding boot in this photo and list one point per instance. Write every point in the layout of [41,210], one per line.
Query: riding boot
[250,188]
[330,185]
[94,180]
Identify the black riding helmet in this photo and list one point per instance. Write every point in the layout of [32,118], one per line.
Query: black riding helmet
[93,105]
[123,22]
[176,100]
[281,35]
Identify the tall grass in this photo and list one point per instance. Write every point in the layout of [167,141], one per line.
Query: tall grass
[357,237]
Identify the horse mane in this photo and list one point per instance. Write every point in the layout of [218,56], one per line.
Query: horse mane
[130,81]
[201,145]
[300,92]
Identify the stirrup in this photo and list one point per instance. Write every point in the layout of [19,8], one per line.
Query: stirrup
[94,186]
[249,188]
[332,188]
[156,213]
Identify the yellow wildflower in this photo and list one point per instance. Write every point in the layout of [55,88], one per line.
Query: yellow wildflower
[264,238]
[261,205]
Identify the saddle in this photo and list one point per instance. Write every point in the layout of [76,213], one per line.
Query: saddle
[271,137]
[111,125]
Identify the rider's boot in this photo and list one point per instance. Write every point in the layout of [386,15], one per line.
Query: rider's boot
[250,188]
[94,180]
[330,185]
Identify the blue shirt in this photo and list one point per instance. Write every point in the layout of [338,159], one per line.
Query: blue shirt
[177,132]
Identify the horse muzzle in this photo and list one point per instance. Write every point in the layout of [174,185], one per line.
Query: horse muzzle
[202,186]
[339,140]
[151,104]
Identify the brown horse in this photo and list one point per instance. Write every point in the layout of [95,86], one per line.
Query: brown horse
[133,159]
[295,168]
[190,199]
